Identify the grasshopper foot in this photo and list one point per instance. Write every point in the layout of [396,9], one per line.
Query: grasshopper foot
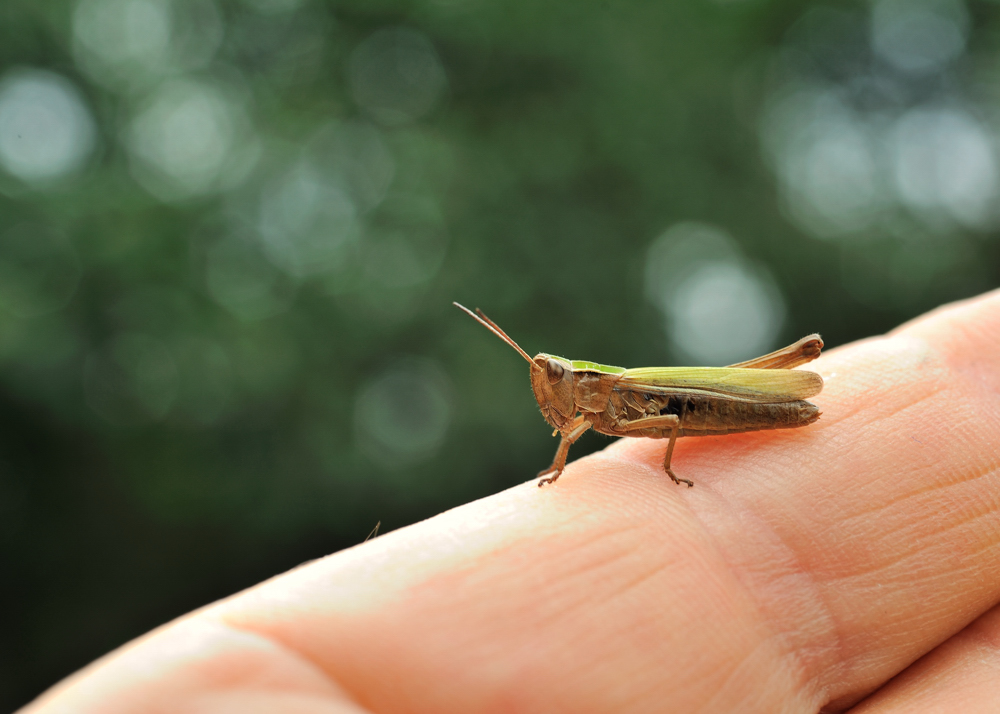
[678,481]
[550,479]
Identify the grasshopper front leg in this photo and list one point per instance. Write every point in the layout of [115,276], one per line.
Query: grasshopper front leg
[572,433]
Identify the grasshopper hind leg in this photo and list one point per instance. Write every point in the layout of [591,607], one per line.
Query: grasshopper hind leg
[575,431]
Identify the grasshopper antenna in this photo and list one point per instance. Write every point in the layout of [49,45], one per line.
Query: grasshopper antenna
[481,318]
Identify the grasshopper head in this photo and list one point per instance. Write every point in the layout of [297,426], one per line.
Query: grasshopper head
[552,382]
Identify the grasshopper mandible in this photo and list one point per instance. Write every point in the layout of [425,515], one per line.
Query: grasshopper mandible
[669,402]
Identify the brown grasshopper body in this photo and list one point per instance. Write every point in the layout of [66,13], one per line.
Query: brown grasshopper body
[670,402]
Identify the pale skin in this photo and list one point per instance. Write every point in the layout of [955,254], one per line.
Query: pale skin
[853,564]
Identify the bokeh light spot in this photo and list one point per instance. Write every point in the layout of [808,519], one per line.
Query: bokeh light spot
[307,224]
[919,36]
[944,159]
[39,270]
[274,7]
[354,156]
[827,162]
[718,308]
[131,43]
[120,31]
[241,279]
[407,243]
[402,415]
[46,130]
[396,75]
[190,139]
[132,380]
[724,313]
[205,382]
[680,249]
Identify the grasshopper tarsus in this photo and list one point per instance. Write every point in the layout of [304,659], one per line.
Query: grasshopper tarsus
[550,479]
[676,479]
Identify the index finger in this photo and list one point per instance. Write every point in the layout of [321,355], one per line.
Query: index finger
[805,569]
[834,555]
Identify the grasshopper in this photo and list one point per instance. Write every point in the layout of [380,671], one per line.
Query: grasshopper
[669,402]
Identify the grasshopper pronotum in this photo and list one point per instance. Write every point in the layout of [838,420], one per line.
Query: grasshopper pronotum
[669,402]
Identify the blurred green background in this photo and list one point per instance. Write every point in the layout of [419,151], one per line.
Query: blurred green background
[231,231]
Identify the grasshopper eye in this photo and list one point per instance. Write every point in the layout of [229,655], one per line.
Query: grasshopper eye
[553,371]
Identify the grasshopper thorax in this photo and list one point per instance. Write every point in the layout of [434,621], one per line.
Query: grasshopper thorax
[552,382]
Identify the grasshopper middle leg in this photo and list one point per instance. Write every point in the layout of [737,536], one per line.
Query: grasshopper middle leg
[575,431]
[665,422]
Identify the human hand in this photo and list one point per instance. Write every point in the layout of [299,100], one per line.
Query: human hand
[804,571]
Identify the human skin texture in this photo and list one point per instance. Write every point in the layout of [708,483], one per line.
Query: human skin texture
[850,563]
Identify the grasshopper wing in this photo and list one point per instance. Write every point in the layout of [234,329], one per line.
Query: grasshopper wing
[766,386]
